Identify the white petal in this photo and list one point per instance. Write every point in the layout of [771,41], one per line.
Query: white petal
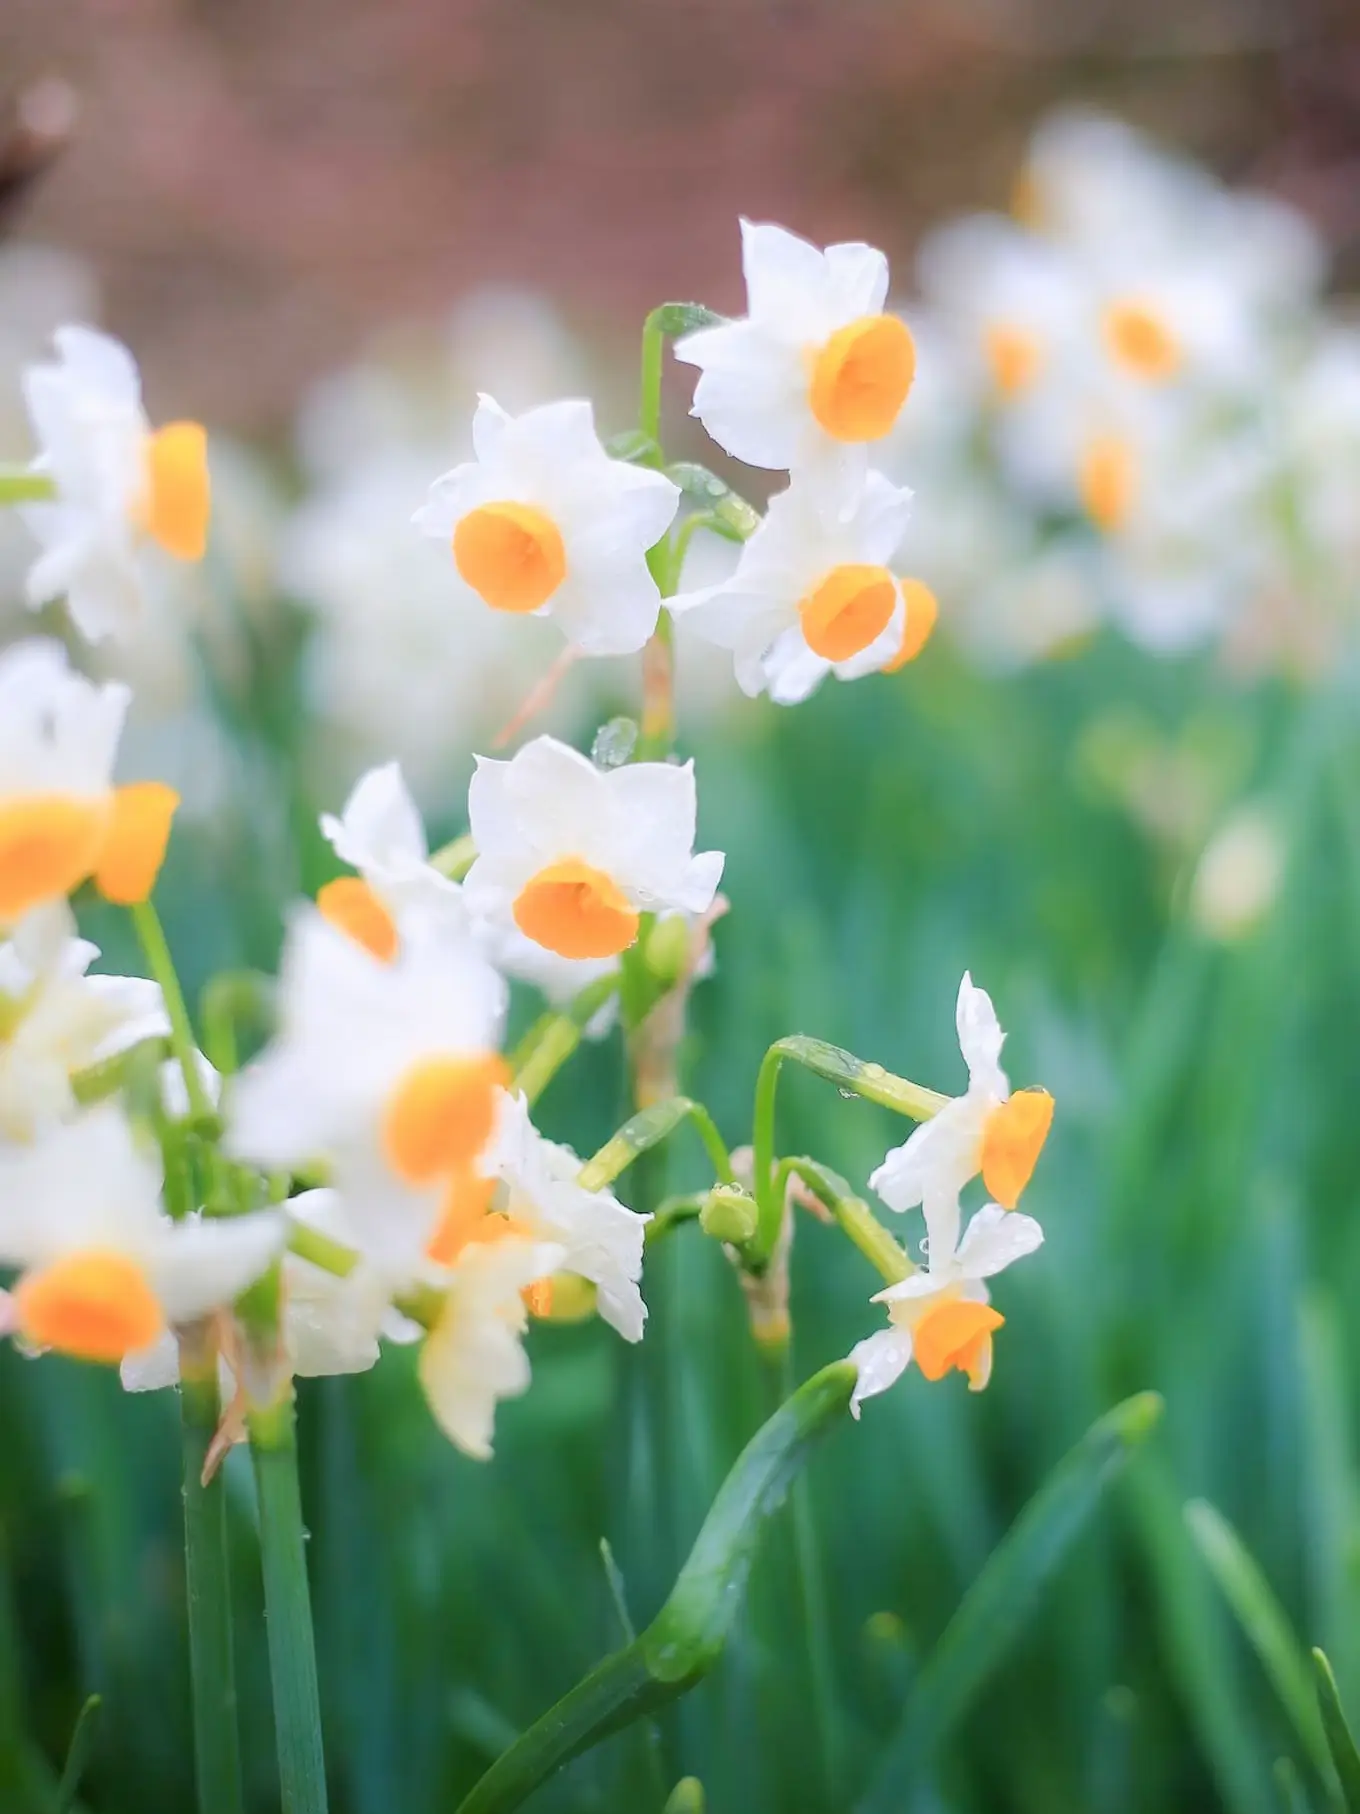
[881,1361]
[980,1035]
[380,825]
[995,1238]
[152,1369]
[201,1265]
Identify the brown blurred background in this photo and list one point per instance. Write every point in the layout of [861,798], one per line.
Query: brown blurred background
[260,183]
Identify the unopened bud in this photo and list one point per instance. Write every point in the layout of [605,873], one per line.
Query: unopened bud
[687,1797]
[729,1214]
[668,949]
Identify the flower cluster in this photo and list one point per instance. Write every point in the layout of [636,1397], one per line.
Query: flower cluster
[374,1172]
[1140,409]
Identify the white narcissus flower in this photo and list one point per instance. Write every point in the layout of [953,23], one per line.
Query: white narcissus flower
[814,366]
[942,1318]
[543,521]
[474,1355]
[104,1270]
[330,1324]
[813,592]
[389,1071]
[55,1020]
[118,483]
[986,1130]
[574,854]
[61,818]
[380,833]
[600,1238]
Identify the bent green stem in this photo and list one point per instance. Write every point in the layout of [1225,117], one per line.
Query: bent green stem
[212,1664]
[849,1073]
[156,949]
[647,1129]
[288,1609]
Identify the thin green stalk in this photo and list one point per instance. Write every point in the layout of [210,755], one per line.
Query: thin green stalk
[649,391]
[455,858]
[554,1037]
[212,1665]
[845,1070]
[19,486]
[853,1215]
[646,1130]
[157,951]
[288,1609]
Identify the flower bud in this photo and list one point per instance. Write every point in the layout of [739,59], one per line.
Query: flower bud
[729,1214]
[668,949]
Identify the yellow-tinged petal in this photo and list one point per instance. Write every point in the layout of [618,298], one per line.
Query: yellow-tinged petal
[861,377]
[49,844]
[95,1306]
[576,911]
[134,847]
[178,500]
[352,907]
[1012,1140]
[922,611]
[847,610]
[511,555]
[956,1332]
[441,1115]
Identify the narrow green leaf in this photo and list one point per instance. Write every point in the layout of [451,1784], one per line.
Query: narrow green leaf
[1194,1645]
[76,1755]
[1339,1740]
[1293,1796]
[687,1636]
[1001,1601]
[1263,1620]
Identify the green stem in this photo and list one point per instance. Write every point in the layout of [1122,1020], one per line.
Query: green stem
[647,1129]
[157,951]
[649,392]
[845,1070]
[19,486]
[212,1665]
[852,1214]
[288,1610]
[553,1038]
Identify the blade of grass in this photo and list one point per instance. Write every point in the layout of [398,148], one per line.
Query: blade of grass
[1263,1621]
[1001,1601]
[1339,1740]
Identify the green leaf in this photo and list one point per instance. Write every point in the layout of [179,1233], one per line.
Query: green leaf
[1193,1642]
[76,1755]
[687,1636]
[1000,1603]
[1263,1621]
[1339,1740]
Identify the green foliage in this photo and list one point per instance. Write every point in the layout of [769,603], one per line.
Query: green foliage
[1198,1195]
